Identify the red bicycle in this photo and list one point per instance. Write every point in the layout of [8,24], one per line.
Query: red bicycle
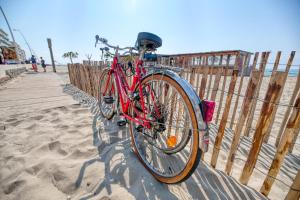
[165,115]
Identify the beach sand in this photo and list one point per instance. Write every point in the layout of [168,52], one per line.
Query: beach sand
[55,145]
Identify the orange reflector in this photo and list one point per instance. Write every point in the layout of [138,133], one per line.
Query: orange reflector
[171,141]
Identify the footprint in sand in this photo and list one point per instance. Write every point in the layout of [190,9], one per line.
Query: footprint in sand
[15,123]
[63,109]
[56,146]
[62,126]
[31,126]
[39,117]
[11,120]
[55,120]
[13,186]
[33,170]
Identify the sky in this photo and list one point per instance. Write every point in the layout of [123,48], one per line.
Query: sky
[184,25]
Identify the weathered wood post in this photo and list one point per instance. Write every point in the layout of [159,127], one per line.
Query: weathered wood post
[251,89]
[217,80]
[294,140]
[239,91]
[287,137]
[70,74]
[51,54]
[223,88]
[294,192]
[262,66]
[210,76]
[288,111]
[223,122]
[288,66]
[204,80]
[274,88]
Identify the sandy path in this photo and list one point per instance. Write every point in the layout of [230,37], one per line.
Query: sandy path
[64,150]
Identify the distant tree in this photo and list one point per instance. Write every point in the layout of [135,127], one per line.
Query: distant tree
[70,55]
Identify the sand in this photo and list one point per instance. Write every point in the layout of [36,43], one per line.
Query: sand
[55,145]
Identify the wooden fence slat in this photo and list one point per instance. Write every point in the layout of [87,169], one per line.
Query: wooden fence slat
[288,111]
[203,81]
[251,89]
[294,140]
[197,81]
[277,60]
[216,84]
[210,77]
[222,126]
[287,137]
[223,88]
[288,66]
[192,77]
[294,192]
[239,92]
[70,74]
[217,80]
[275,85]
[262,66]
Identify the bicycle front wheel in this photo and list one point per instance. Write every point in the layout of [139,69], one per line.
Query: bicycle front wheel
[169,148]
[107,95]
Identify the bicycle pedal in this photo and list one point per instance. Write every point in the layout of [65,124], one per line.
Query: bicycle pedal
[108,99]
[122,122]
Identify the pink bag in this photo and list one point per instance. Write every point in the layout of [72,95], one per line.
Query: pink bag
[209,108]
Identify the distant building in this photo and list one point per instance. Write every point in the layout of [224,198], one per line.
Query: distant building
[10,52]
[4,41]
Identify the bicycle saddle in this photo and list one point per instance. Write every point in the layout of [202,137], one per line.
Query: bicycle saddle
[148,40]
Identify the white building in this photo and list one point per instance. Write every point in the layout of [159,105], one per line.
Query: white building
[10,51]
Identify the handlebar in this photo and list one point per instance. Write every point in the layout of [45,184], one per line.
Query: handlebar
[105,42]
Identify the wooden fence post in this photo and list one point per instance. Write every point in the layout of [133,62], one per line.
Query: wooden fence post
[198,80]
[294,192]
[288,66]
[287,137]
[70,74]
[288,111]
[192,77]
[210,77]
[78,77]
[223,88]
[216,84]
[203,80]
[251,89]
[217,80]
[239,91]
[262,66]
[294,140]
[274,88]
[223,122]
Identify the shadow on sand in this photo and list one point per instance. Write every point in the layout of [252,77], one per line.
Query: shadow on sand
[123,169]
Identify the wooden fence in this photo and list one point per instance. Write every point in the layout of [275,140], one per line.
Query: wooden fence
[248,106]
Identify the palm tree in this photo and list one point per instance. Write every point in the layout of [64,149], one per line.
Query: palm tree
[70,55]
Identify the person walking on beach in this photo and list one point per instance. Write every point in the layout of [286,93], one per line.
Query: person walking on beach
[43,64]
[33,63]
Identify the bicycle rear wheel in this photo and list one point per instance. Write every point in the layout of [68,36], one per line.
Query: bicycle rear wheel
[107,95]
[169,149]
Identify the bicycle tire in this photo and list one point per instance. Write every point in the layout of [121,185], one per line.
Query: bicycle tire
[108,115]
[195,157]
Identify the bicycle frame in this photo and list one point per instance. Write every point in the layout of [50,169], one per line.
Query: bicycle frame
[125,91]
